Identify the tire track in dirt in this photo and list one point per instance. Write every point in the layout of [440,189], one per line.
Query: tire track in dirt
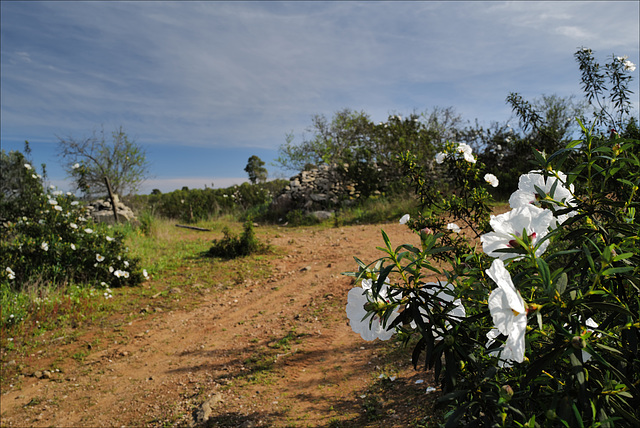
[174,360]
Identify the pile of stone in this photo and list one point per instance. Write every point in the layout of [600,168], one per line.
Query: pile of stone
[317,191]
[102,211]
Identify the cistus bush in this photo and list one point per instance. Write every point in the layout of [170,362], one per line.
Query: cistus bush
[52,240]
[530,317]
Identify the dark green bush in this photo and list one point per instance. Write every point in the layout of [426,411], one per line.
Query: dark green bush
[232,246]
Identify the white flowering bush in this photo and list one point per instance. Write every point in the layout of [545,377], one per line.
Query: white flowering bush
[53,241]
[527,318]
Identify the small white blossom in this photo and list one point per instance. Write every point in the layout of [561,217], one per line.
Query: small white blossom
[44,246]
[126,263]
[10,273]
[99,257]
[73,225]
[26,165]
[52,202]
[491,179]
[629,66]
[57,208]
[87,230]
[75,203]
[440,157]
[109,238]
[453,227]
[73,246]
[404,219]
[76,166]
[144,273]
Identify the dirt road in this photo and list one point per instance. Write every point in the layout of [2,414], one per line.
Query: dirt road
[271,352]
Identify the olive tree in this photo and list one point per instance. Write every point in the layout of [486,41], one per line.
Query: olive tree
[89,160]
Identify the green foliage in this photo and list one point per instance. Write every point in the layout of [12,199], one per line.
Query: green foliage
[193,205]
[545,330]
[20,186]
[256,170]
[89,160]
[51,240]
[231,246]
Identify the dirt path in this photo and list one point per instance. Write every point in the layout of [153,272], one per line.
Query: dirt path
[276,352]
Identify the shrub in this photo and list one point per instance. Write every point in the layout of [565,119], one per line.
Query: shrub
[231,246]
[53,240]
[542,326]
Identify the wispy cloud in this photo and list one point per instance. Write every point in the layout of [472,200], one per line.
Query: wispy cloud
[242,74]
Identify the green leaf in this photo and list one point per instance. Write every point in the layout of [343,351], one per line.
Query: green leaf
[545,274]
[615,270]
[561,283]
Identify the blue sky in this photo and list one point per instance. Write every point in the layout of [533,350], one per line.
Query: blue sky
[202,86]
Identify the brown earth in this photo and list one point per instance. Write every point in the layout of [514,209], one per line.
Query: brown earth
[277,351]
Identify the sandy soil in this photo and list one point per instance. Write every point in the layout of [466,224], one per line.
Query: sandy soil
[273,352]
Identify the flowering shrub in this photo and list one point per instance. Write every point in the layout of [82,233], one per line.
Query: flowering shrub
[54,241]
[541,327]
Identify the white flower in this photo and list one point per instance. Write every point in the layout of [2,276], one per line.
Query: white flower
[57,208]
[75,203]
[87,230]
[110,269]
[109,238]
[125,274]
[628,65]
[509,314]
[404,219]
[10,273]
[26,165]
[99,257]
[73,225]
[53,202]
[372,329]
[526,194]
[44,246]
[531,219]
[76,166]
[57,193]
[491,179]
[119,273]
[73,247]
[144,273]
[440,157]
[453,227]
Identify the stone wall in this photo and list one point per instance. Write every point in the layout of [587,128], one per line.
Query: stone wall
[320,189]
[101,211]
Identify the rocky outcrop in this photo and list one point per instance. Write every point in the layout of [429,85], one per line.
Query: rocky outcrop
[319,189]
[102,211]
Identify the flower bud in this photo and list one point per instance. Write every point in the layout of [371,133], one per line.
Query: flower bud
[578,342]
[506,392]
[448,340]
[551,414]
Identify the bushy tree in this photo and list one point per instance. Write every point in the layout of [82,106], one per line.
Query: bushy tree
[256,170]
[20,183]
[89,160]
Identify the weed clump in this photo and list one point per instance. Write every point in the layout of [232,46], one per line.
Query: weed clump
[232,246]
